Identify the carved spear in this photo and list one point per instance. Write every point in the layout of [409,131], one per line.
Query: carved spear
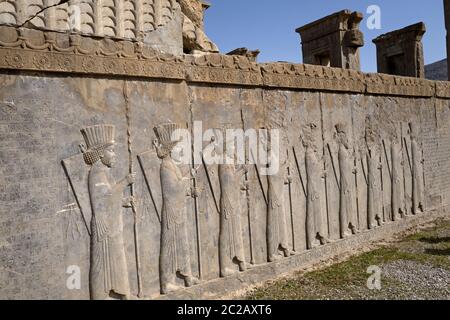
[299,171]
[132,191]
[247,197]
[333,165]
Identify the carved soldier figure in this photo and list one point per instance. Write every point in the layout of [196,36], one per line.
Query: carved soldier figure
[231,243]
[108,270]
[277,236]
[374,211]
[398,192]
[174,254]
[417,177]
[347,175]
[316,231]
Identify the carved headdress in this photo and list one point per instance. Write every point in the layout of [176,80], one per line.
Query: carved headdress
[165,134]
[96,138]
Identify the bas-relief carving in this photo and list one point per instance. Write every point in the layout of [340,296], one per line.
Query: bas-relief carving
[347,172]
[398,187]
[374,180]
[231,244]
[174,255]
[417,159]
[277,223]
[316,220]
[108,274]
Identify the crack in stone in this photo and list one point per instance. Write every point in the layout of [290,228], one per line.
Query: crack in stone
[61,2]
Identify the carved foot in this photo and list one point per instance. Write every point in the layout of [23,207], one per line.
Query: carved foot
[227,272]
[314,244]
[324,240]
[242,266]
[355,230]
[191,281]
[274,258]
[287,253]
[346,235]
[170,287]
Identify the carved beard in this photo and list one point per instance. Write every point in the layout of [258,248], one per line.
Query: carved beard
[106,162]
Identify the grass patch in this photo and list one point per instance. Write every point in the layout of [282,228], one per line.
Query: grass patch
[347,280]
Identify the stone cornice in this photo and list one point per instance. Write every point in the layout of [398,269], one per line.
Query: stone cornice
[222,69]
[304,76]
[23,49]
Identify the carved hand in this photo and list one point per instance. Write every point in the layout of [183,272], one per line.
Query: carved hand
[244,186]
[131,178]
[128,202]
[197,191]
[288,180]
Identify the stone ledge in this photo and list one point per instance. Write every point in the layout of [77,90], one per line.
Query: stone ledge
[443,89]
[47,51]
[218,288]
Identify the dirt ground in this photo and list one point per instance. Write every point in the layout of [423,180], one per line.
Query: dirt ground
[413,267]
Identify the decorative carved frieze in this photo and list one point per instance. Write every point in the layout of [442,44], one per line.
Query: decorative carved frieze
[403,86]
[442,89]
[58,52]
[285,75]
[48,51]
[216,68]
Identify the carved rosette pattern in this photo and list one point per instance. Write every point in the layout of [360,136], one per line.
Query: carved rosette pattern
[403,86]
[216,68]
[312,77]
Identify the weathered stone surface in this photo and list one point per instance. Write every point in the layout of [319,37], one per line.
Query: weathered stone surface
[251,54]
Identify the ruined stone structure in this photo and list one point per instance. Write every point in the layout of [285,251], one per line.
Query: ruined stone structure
[400,52]
[333,41]
[362,157]
[167,25]
[447,27]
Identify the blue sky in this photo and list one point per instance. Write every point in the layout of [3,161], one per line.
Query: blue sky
[270,25]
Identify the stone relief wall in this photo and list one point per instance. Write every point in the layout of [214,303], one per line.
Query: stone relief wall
[360,153]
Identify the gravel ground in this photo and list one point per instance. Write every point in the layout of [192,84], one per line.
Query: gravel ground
[419,281]
[414,267]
